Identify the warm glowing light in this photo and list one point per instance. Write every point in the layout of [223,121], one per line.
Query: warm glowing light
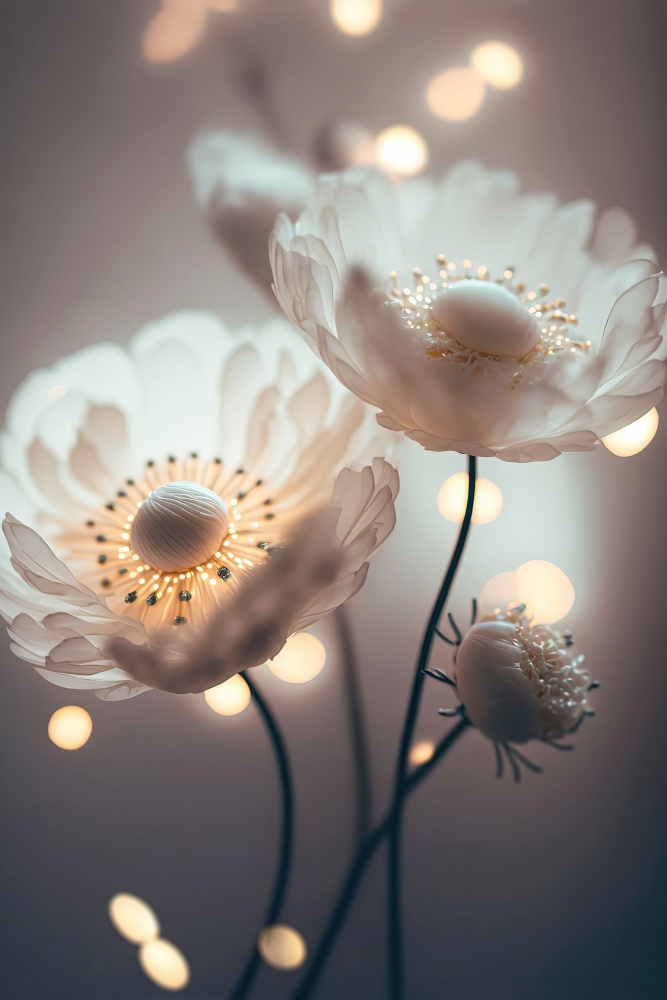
[422,752]
[132,918]
[282,947]
[635,437]
[229,698]
[70,727]
[499,593]
[545,590]
[498,64]
[402,149]
[456,95]
[55,393]
[174,31]
[302,657]
[356,17]
[165,964]
[454,492]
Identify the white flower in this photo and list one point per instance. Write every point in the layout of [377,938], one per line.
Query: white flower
[476,319]
[242,182]
[165,476]
[520,683]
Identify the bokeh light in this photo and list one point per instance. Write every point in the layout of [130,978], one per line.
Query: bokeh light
[229,698]
[355,145]
[456,94]
[498,64]
[453,495]
[174,31]
[422,752]
[635,437]
[402,149]
[302,657]
[132,918]
[70,727]
[282,947]
[541,586]
[55,393]
[356,17]
[545,590]
[165,964]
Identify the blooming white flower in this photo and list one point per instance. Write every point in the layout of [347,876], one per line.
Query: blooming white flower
[167,476]
[519,683]
[242,183]
[475,318]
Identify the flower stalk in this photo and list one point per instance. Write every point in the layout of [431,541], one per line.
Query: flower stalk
[251,967]
[394,918]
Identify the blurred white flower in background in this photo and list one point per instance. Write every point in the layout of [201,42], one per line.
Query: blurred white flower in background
[476,319]
[520,682]
[168,476]
[178,26]
[242,182]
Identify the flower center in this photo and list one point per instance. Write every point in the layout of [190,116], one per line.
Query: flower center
[178,526]
[487,318]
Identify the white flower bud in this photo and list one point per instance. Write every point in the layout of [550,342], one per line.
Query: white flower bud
[519,683]
[178,526]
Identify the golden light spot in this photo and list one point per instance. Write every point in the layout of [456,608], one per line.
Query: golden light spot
[422,752]
[70,727]
[456,94]
[174,31]
[402,149]
[453,495]
[282,947]
[165,964]
[356,17]
[545,590]
[134,919]
[635,437]
[498,64]
[229,698]
[300,660]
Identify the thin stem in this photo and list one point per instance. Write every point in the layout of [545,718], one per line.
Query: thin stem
[394,915]
[360,863]
[356,718]
[247,977]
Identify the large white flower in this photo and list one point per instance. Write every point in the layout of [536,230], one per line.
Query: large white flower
[167,477]
[242,183]
[475,318]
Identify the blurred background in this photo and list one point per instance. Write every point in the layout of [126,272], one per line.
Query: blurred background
[555,887]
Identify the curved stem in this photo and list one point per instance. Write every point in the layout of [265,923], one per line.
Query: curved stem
[394,916]
[360,863]
[356,718]
[247,977]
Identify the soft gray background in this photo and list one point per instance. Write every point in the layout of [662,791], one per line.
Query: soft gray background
[555,888]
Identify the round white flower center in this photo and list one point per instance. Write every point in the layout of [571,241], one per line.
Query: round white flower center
[179,526]
[486,317]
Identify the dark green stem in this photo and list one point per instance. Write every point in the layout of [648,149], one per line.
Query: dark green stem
[356,718]
[245,981]
[359,865]
[394,915]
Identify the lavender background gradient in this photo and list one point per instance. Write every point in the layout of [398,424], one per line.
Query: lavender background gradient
[553,888]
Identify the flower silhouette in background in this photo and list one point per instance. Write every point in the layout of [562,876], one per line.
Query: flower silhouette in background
[242,182]
[476,319]
[518,681]
[177,481]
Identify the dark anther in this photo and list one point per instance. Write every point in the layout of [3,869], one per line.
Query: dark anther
[123,571]
[101,538]
[90,524]
[180,620]
[193,454]
[224,573]
[151,600]
[593,685]
[240,496]
[172,458]
[106,583]
[121,493]
[239,472]
[185,595]
[259,482]
[131,597]
[269,516]
[150,463]
[110,506]
[218,461]
[267,503]
[129,482]
[101,559]
[263,545]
